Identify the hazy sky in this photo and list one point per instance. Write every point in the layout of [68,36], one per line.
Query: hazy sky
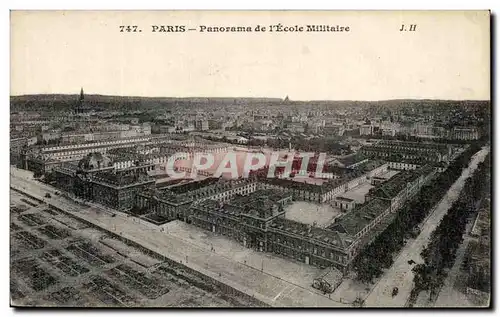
[447,57]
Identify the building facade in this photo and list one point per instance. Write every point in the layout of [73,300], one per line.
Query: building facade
[174,202]
[344,179]
[95,179]
[465,133]
[398,151]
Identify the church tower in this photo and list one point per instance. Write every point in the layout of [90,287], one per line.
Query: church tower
[80,106]
[81,95]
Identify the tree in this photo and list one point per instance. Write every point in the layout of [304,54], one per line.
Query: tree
[441,252]
[367,269]
[358,302]
[422,278]
[37,174]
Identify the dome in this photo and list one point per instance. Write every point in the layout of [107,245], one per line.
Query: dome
[94,161]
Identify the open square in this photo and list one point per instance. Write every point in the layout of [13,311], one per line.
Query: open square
[309,213]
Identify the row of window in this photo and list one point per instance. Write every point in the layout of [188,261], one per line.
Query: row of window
[298,254]
[94,145]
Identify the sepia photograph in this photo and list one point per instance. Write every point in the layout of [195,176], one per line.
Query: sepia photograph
[250,159]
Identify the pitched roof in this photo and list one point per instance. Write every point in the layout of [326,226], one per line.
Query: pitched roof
[333,238]
[356,220]
[331,275]
[392,187]
[351,159]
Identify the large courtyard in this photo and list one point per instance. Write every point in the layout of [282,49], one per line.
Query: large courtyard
[297,273]
[308,180]
[358,193]
[320,215]
[389,174]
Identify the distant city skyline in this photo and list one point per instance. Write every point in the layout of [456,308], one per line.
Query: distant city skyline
[59,52]
[240,97]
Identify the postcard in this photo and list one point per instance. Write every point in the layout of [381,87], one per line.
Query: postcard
[212,159]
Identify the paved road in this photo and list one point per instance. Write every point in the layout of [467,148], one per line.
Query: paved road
[265,287]
[400,274]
